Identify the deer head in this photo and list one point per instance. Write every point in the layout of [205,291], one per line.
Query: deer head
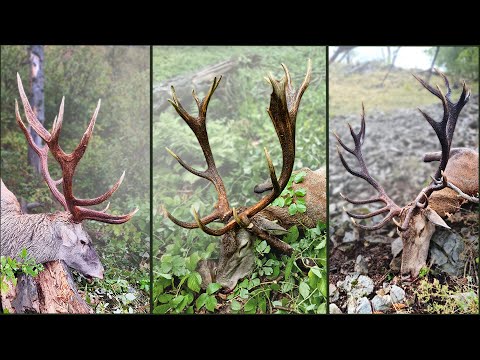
[240,226]
[419,217]
[70,240]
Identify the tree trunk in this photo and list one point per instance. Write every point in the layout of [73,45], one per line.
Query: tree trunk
[36,98]
[433,64]
[51,292]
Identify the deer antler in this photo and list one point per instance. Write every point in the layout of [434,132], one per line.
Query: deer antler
[68,163]
[284,104]
[390,206]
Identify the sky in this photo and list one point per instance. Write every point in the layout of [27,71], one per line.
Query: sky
[408,57]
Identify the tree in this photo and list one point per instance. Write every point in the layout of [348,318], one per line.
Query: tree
[37,78]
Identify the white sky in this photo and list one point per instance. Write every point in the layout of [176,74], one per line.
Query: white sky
[408,57]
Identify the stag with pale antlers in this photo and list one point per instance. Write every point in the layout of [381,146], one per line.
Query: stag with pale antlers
[60,235]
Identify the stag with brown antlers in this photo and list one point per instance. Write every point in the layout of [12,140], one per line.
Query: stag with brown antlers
[59,235]
[242,225]
[454,182]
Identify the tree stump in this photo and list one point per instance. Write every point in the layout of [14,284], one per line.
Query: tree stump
[53,291]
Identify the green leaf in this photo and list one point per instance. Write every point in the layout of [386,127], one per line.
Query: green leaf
[304,289]
[165,298]
[322,309]
[299,177]
[192,261]
[194,281]
[322,286]
[250,306]
[316,270]
[177,300]
[292,235]
[301,201]
[301,208]
[201,300]
[262,246]
[236,305]
[280,202]
[162,309]
[292,209]
[286,287]
[300,192]
[288,268]
[262,304]
[288,201]
[23,253]
[267,270]
[212,288]
[210,303]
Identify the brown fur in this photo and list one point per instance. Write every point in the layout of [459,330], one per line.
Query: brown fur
[315,198]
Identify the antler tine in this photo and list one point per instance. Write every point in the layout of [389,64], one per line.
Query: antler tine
[68,163]
[390,206]
[30,114]
[446,127]
[42,153]
[101,198]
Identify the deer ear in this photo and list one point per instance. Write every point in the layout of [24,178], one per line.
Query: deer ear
[271,227]
[435,218]
[68,237]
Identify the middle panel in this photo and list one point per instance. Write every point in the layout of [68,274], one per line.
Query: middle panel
[239,198]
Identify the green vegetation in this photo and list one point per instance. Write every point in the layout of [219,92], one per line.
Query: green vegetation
[436,298]
[120,77]
[460,61]
[10,268]
[239,128]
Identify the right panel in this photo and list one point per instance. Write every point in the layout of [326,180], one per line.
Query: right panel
[404,238]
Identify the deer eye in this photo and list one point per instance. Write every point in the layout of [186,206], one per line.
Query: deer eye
[83,242]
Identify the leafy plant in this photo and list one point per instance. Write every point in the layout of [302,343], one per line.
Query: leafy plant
[294,199]
[11,268]
[439,298]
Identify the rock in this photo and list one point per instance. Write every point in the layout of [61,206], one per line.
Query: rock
[356,285]
[381,303]
[397,294]
[465,298]
[446,251]
[350,237]
[361,265]
[363,306]
[334,293]
[334,309]
[386,287]
[351,305]
[397,247]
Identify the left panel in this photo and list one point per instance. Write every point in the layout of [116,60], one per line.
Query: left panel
[65,247]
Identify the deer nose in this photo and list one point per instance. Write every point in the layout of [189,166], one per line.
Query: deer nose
[406,276]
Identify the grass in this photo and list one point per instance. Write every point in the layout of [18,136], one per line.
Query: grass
[347,90]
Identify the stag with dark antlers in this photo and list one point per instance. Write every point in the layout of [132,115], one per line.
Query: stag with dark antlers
[241,226]
[454,182]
